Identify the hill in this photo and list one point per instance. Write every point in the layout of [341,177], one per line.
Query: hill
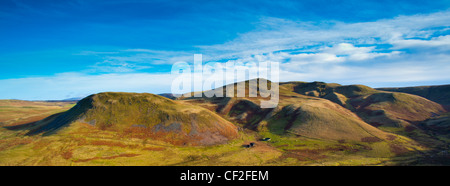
[376,107]
[314,124]
[145,114]
[169,95]
[295,114]
[439,94]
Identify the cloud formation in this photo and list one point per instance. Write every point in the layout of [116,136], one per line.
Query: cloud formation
[357,41]
[402,51]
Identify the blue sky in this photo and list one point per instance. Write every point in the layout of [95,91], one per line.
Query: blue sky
[63,49]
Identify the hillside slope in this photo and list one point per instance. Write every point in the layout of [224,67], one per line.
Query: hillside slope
[376,107]
[295,114]
[146,114]
[439,94]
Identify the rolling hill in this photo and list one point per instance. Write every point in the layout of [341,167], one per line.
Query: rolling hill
[376,107]
[439,94]
[314,123]
[147,114]
[295,114]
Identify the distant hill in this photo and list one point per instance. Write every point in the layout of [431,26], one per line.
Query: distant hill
[146,114]
[439,94]
[73,99]
[168,95]
[64,100]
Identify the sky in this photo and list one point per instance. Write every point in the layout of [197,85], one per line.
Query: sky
[55,49]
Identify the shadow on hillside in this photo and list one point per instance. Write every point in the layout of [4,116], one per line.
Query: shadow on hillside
[435,140]
[56,122]
[434,157]
[47,126]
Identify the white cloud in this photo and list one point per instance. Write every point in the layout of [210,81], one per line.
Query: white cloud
[279,34]
[353,53]
[325,51]
[274,36]
[408,72]
[441,42]
[315,58]
[347,49]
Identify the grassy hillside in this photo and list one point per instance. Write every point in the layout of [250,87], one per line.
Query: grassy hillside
[376,107]
[405,114]
[296,114]
[146,115]
[322,119]
[439,94]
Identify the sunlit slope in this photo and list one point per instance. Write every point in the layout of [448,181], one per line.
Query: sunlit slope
[322,119]
[147,115]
